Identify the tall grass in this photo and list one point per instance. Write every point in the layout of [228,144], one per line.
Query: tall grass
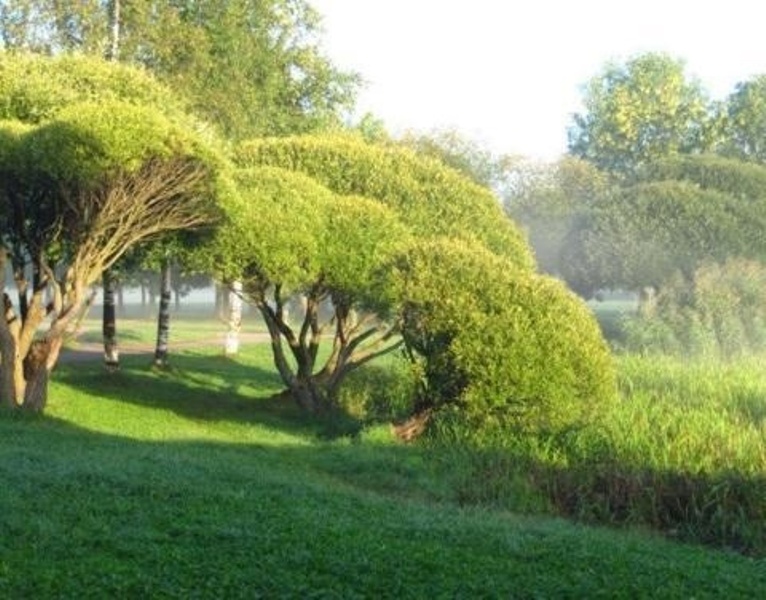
[684,451]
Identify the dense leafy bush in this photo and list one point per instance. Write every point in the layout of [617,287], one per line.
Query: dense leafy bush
[499,344]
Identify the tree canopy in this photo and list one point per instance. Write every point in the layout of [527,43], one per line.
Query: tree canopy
[640,111]
[252,68]
[497,343]
[429,197]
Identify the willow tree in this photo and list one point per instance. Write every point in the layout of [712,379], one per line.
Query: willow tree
[77,192]
[327,249]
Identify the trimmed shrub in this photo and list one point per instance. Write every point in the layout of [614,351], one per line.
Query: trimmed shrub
[429,198]
[498,344]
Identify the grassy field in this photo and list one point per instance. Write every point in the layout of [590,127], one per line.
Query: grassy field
[195,483]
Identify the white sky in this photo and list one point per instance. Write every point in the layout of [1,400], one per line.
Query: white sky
[508,73]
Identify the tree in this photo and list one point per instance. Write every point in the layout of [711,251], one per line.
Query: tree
[345,206]
[744,127]
[252,68]
[462,154]
[78,191]
[638,112]
[342,243]
[551,201]
[679,214]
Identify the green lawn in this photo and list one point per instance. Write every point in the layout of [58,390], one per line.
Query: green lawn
[193,483]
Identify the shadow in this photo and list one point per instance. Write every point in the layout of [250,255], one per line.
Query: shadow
[201,385]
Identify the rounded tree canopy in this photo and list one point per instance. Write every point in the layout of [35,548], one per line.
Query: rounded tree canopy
[430,198]
[651,230]
[34,88]
[500,342]
[313,235]
[86,142]
[271,230]
[737,178]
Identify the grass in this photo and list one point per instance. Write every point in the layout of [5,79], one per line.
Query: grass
[194,482]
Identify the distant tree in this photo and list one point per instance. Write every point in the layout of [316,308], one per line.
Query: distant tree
[76,193]
[744,122]
[551,201]
[461,153]
[638,112]
[679,214]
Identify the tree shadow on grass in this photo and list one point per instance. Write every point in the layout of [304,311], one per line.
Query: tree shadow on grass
[201,385]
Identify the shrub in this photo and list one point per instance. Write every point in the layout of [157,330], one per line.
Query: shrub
[498,344]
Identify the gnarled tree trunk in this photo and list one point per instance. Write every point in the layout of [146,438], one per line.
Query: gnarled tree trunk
[355,342]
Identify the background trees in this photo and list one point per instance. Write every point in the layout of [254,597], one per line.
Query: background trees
[252,68]
[672,215]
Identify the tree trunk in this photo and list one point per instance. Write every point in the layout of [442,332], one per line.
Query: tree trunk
[109,323]
[38,364]
[9,357]
[221,301]
[163,320]
[235,319]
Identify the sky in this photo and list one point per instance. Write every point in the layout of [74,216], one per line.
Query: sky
[509,73]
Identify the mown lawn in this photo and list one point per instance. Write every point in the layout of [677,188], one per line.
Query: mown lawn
[194,484]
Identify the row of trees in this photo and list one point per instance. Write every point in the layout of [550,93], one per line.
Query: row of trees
[404,251]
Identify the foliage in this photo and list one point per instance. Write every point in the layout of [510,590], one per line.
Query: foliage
[461,153]
[250,67]
[343,244]
[428,197]
[720,313]
[644,233]
[500,344]
[551,201]
[34,88]
[639,111]
[745,121]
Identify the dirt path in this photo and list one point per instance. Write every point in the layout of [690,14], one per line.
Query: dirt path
[94,351]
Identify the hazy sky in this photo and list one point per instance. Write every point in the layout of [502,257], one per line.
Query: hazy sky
[509,73]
